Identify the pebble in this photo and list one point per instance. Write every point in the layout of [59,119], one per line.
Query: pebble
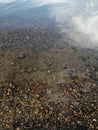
[87,70]
[11,85]
[49,71]
[18,128]
[94,85]
[12,63]
[94,120]
[21,56]
[49,91]
[27,37]
[35,69]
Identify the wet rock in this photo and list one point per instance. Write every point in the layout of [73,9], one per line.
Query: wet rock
[65,67]
[29,70]
[18,128]
[27,37]
[21,56]
[35,69]
[12,63]
[74,76]
[12,86]
[94,120]
[25,96]
[93,84]
[49,71]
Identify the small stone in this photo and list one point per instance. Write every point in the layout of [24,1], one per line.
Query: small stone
[37,96]
[27,37]
[94,120]
[65,67]
[29,70]
[21,56]
[25,96]
[9,90]
[49,91]
[78,122]
[18,128]
[12,63]
[19,112]
[35,69]
[8,93]
[87,70]
[94,85]
[49,71]
[54,78]
[12,86]
[92,105]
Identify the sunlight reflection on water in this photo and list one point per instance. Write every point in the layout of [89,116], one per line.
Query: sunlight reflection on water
[77,18]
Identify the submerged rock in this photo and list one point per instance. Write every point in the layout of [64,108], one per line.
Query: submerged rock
[21,56]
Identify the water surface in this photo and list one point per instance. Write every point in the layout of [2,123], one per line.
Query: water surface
[77,19]
[48,64]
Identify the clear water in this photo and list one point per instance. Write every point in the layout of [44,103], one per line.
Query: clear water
[75,18]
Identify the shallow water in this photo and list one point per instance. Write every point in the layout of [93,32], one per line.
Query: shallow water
[48,64]
[77,19]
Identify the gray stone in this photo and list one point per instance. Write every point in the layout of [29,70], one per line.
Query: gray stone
[21,56]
